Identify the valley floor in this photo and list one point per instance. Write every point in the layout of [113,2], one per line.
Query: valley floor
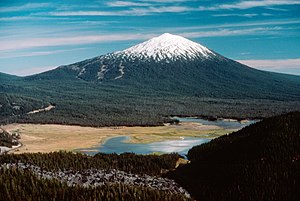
[52,137]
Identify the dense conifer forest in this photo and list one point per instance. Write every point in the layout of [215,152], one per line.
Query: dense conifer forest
[259,162]
[16,185]
[79,102]
[129,162]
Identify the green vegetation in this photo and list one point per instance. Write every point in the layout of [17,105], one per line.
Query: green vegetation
[94,104]
[259,162]
[16,185]
[148,92]
[7,140]
[128,162]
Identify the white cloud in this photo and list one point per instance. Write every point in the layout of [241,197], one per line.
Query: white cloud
[165,1]
[30,70]
[7,45]
[76,40]
[126,3]
[238,15]
[273,64]
[14,18]
[40,53]
[131,12]
[163,9]
[88,13]
[26,7]
[232,32]
[251,4]
[233,25]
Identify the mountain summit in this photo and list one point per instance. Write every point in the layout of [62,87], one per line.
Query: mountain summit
[142,85]
[168,47]
[177,65]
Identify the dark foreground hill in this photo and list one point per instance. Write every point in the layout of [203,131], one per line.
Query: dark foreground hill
[259,162]
[166,75]
[21,184]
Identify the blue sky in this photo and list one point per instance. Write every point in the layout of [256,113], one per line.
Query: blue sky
[40,35]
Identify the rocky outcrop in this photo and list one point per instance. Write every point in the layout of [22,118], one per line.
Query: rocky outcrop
[96,177]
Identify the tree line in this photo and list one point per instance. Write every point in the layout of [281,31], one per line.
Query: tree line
[259,162]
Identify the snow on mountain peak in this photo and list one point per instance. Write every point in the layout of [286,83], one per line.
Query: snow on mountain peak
[168,46]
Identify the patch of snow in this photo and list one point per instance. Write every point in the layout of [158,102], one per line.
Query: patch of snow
[17,107]
[50,107]
[102,71]
[81,72]
[121,70]
[74,67]
[167,47]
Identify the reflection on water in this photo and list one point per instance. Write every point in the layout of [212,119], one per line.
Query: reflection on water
[226,124]
[120,144]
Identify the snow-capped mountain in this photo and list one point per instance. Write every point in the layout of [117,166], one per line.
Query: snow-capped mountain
[175,64]
[167,47]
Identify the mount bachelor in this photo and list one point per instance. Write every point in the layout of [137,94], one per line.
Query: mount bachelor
[168,71]
[174,63]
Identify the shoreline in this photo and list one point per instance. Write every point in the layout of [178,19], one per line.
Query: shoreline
[171,117]
[55,137]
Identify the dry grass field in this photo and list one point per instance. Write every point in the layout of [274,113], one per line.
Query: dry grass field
[50,137]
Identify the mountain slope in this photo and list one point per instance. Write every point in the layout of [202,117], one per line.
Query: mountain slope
[175,64]
[259,162]
[6,77]
[144,84]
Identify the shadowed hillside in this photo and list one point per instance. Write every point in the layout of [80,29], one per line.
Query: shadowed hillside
[259,162]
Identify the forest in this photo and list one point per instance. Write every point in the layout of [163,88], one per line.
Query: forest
[91,104]
[129,162]
[140,102]
[259,162]
[18,185]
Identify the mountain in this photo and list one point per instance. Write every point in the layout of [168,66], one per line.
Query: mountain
[4,76]
[176,64]
[259,162]
[145,84]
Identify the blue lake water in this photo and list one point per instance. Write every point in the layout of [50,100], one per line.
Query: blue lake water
[120,144]
[221,123]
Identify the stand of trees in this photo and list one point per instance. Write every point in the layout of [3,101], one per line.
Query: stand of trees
[259,162]
[17,185]
[128,162]
[94,104]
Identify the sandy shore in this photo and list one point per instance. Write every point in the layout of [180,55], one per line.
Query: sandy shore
[50,137]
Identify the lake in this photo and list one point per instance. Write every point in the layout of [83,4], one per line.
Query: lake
[120,144]
[224,123]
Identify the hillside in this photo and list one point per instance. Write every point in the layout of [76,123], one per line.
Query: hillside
[170,63]
[69,176]
[145,84]
[259,162]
